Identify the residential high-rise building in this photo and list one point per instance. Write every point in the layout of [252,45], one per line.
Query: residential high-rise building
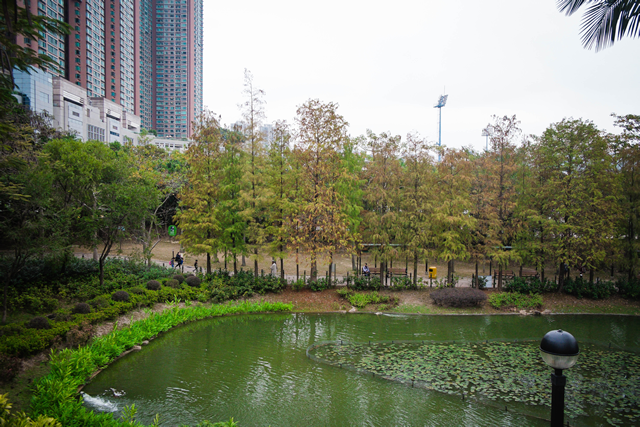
[177,62]
[144,55]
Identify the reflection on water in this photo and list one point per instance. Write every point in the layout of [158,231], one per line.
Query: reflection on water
[254,368]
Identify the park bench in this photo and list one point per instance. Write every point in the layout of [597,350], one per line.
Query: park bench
[506,274]
[374,270]
[397,271]
[393,271]
[529,272]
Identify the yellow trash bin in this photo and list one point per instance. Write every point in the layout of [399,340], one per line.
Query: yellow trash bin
[433,272]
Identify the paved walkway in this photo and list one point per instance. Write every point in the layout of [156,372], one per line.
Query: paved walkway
[464,281]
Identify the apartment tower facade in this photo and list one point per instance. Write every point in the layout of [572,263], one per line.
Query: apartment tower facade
[145,55]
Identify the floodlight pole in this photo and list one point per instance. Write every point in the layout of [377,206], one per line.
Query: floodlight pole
[485,132]
[441,103]
[439,130]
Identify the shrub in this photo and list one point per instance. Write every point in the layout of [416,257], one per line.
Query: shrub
[361,300]
[364,283]
[35,304]
[481,282]
[583,288]
[9,367]
[79,334]
[298,285]
[100,301]
[512,299]
[400,283]
[179,278]
[82,308]
[458,297]
[39,323]
[629,289]
[153,285]
[264,284]
[172,284]
[533,285]
[193,281]
[319,285]
[137,290]
[120,296]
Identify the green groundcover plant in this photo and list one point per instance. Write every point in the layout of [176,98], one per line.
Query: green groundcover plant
[604,383]
[511,299]
[56,395]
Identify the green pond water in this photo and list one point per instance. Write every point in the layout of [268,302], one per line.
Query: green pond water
[320,370]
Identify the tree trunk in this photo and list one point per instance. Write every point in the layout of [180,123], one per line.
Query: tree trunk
[353,262]
[255,264]
[415,267]
[560,277]
[499,277]
[476,279]
[208,263]
[235,263]
[313,277]
[101,266]
[5,298]
[282,269]
[591,273]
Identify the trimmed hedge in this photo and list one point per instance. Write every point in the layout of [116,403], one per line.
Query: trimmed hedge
[120,296]
[525,285]
[458,297]
[82,308]
[581,288]
[16,341]
[153,285]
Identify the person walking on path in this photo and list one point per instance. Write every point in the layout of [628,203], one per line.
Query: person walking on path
[274,268]
[195,266]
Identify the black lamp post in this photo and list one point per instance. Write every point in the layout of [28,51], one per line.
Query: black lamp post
[559,349]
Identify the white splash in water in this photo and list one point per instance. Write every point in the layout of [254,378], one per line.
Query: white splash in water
[98,403]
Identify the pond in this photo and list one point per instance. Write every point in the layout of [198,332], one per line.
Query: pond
[255,368]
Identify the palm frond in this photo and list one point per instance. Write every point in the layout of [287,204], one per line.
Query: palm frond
[608,21]
[571,6]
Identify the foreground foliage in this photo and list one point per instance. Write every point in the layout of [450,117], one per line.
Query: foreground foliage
[603,383]
[56,394]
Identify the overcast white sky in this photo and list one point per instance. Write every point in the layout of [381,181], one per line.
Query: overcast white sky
[387,62]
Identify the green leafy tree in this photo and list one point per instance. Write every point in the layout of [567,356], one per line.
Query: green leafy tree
[452,223]
[416,199]
[500,222]
[233,220]
[198,214]
[255,195]
[350,185]
[627,157]
[160,166]
[108,196]
[382,177]
[578,185]
[280,180]
[319,224]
